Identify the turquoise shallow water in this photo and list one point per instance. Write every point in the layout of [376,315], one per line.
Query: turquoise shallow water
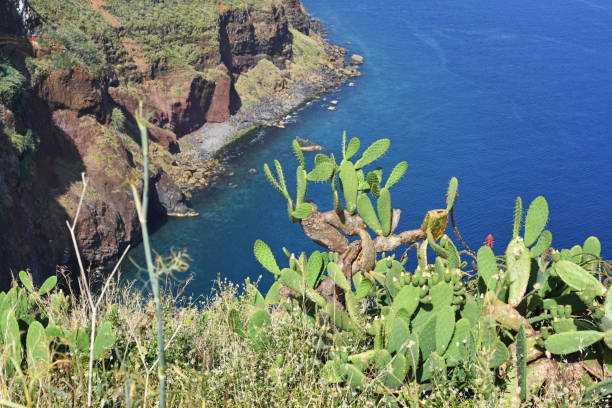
[513,98]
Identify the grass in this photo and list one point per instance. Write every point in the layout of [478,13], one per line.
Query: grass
[264,80]
[309,56]
[209,365]
[171,33]
[24,143]
[82,34]
[308,51]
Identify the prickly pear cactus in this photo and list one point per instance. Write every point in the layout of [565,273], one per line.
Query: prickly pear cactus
[530,307]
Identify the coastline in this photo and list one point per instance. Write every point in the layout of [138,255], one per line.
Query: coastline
[203,151]
[255,65]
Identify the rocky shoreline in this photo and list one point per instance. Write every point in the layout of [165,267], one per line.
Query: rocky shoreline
[200,161]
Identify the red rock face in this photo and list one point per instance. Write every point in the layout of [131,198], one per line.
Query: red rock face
[69,112]
[76,90]
[219,110]
[178,102]
[174,105]
[163,137]
[70,125]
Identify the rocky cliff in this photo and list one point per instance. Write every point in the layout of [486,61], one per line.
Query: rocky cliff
[72,76]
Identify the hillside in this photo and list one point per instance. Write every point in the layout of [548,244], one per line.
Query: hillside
[71,77]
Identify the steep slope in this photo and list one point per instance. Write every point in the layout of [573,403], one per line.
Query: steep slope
[72,75]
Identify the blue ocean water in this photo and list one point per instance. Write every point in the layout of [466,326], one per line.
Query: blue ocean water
[513,98]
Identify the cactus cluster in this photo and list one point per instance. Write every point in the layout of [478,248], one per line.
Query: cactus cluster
[45,340]
[357,186]
[516,312]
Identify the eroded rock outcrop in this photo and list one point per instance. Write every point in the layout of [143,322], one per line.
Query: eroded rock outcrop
[298,16]
[247,36]
[221,103]
[49,136]
[76,90]
[179,101]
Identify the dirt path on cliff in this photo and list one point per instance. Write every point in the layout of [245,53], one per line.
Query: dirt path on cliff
[130,45]
[98,5]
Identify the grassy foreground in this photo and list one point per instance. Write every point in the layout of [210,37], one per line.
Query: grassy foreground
[209,365]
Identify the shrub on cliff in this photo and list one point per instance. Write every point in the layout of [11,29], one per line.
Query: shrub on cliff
[118,120]
[78,50]
[76,34]
[12,83]
[171,33]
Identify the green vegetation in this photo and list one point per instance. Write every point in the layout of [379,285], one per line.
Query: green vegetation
[118,120]
[12,83]
[242,4]
[171,32]
[263,80]
[431,327]
[161,34]
[307,51]
[80,32]
[309,56]
[348,326]
[25,143]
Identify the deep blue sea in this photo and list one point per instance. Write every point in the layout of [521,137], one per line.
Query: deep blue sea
[512,97]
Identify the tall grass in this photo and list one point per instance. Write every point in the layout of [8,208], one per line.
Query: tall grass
[211,366]
[142,207]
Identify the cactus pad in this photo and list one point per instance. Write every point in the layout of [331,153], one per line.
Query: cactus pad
[265,257]
[366,211]
[374,152]
[396,174]
[518,264]
[385,211]
[350,184]
[487,267]
[536,220]
[572,342]
[435,221]
[577,278]
[451,194]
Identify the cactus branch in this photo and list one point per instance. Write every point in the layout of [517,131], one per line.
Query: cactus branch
[331,230]
[394,241]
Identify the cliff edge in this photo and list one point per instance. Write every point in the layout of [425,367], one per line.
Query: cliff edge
[72,76]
